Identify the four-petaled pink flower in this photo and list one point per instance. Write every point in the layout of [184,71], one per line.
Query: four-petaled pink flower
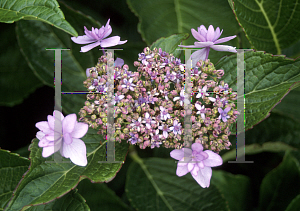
[201,110]
[202,92]
[164,113]
[96,37]
[197,162]
[208,39]
[223,114]
[181,97]
[63,133]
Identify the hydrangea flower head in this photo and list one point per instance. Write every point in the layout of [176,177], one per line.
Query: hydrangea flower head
[197,162]
[67,140]
[149,111]
[208,39]
[97,38]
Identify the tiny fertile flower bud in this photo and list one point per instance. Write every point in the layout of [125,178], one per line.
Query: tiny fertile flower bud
[203,75]
[125,67]
[137,64]
[236,112]
[125,130]
[182,113]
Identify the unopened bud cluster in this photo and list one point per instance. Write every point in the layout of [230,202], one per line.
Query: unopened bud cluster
[149,104]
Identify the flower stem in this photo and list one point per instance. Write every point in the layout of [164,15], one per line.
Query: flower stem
[103,51]
[133,154]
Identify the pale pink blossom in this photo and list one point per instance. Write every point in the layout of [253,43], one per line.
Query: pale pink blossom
[197,162]
[63,133]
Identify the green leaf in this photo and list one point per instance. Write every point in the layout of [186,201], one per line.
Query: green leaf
[169,44]
[23,151]
[270,25]
[74,63]
[12,167]
[162,18]
[280,186]
[13,88]
[99,195]
[294,205]
[235,188]
[276,128]
[72,201]
[268,79]
[257,148]
[46,181]
[46,11]
[152,184]
[289,106]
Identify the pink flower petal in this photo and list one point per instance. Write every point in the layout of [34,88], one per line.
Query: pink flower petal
[122,42]
[182,170]
[58,114]
[213,159]
[177,154]
[225,39]
[224,48]
[89,47]
[210,33]
[191,166]
[68,138]
[69,123]
[53,136]
[198,36]
[55,124]
[47,151]
[83,39]
[80,130]
[45,143]
[202,30]
[76,152]
[195,170]
[203,44]
[184,161]
[43,126]
[39,135]
[203,177]
[112,41]
[217,34]
[227,109]
[197,147]
[198,55]
[107,32]
[187,46]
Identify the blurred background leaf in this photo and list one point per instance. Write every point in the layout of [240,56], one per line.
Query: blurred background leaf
[12,168]
[270,25]
[17,80]
[72,201]
[99,196]
[152,184]
[46,11]
[281,185]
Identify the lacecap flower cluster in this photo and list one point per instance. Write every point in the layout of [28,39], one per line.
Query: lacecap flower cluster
[149,103]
